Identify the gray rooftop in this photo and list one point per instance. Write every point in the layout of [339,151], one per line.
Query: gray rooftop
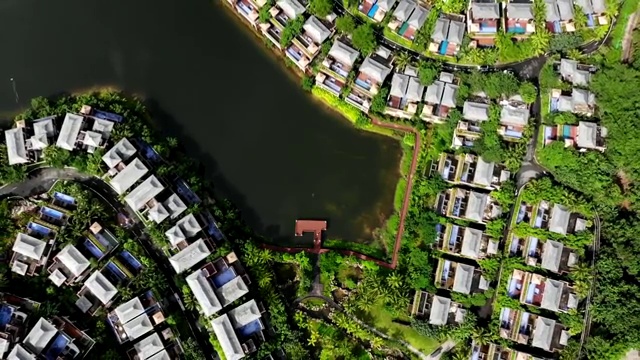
[418,17]
[386,5]
[485,10]
[399,83]
[543,333]
[291,8]
[316,30]
[552,294]
[582,97]
[69,131]
[565,7]
[510,115]
[16,147]
[439,310]
[475,111]
[404,10]
[476,205]
[434,92]
[414,90]
[551,255]
[343,53]
[484,172]
[599,6]
[569,70]
[463,279]
[449,95]
[559,219]
[552,10]
[374,69]
[587,135]
[520,10]
[471,243]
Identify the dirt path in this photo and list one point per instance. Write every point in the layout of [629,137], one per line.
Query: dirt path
[627,49]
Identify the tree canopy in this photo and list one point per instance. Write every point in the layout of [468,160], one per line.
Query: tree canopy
[364,39]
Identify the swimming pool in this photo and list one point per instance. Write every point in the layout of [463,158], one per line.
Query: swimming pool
[115,270]
[5,315]
[40,229]
[251,328]
[64,198]
[223,277]
[54,214]
[131,260]
[93,249]
[56,348]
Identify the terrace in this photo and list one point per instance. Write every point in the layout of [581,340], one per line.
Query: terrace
[307,45]
[509,323]
[516,246]
[439,310]
[281,13]
[54,215]
[249,9]
[359,100]
[483,18]
[541,218]
[525,213]
[330,83]
[516,284]
[449,168]
[376,10]
[459,277]
[447,35]
[439,98]
[491,351]
[514,118]
[136,317]
[560,16]
[533,251]
[467,242]
[69,266]
[520,19]
[29,254]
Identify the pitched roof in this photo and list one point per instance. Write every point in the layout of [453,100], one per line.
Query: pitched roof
[404,9]
[520,10]
[144,192]
[440,29]
[203,291]
[374,69]
[16,147]
[103,127]
[463,279]
[57,277]
[587,134]
[599,6]
[189,225]
[128,176]
[418,17]
[552,11]
[485,10]
[190,256]
[232,291]
[565,7]
[20,353]
[484,172]
[227,338]
[567,66]
[543,333]
[552,294]
[551,255]
[449,95]
[129,310]
[456,32]
[244,314]
[158,213]
[44,126]
[343,53]
[476,205]
[439,310]
[585,5]
[582,97]
[174,205]
[399,83]
[162,355]
[148,346]
[69,131]
[471,243]
[559,219]
[101,287]
[414,90]
[175,235]
[475,111]
[92,138]
[40,335]
[291,7]
[386,5]
[29,246]
[137,327]
[316,30]
[119,152]
[434,92]
[510,115]
[73,260]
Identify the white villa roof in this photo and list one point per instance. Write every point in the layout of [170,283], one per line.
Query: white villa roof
[118,153]
[316,30]
[4,346]
[439,313]
[73,260]
[203,291]
[399,83]
[149,346]
[44,127]
[484,172]
[520,10]
[69,131]
[174,205]
[19,267]
[29,246]
[414,90]
[190,256]
[57,277]
[128,176]
[38,142]
[599,6]
[543,333]
[471,242]
[551,255]
[475,111]
[559,219]
[232,291]
[510,115]
[103,127]
[565,7]
[404,9]
[129,310]
[144,192]
[386,5]
[418,17]
[101,287]
[485,10]
[41,334]
[20,353]
[587,135]
[587,9]
[244,314]
[189,225]
[227,338]
[162,355]
[92,138]
[343,53]
[434,92]
[16,147]
[291,7]
[137,327]
[374,69]
[552,10]
[158,213]
[476,205]
[175,235]
[463,278]
[552,294]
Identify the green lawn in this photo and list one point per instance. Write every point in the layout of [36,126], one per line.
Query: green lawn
[390,34]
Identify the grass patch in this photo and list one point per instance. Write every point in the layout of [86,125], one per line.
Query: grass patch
[398,197]
[366,249]
[393,36]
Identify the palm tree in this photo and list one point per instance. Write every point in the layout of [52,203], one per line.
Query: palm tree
[189,302]
[402,60]
[480,336]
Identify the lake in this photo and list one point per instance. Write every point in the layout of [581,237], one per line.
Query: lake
[269,147]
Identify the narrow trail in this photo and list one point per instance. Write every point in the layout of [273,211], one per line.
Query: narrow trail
[627,49]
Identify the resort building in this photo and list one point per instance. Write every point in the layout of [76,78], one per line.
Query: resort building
[239,330]
[514,118]
[492,351]
[55,339]
[281,13]
[519,18]
[136,317]
[460,278]
[558,219]
[88,134]
[595,11]
[373,72]
[575,73]
[16,146]
[447,35]
[408,19]
[439,98]
[376,10]
[336,67]
[306,46]
[437,309]
[468,130]
[470,169]
[585,136]
[118,154]
[249,9]
[560,16]
[96,292]
[218,284]
[170,208]
[401,15]
[162,345]
[128,176]
[69,132]
[14,312]
[144,193]
[465,241]
[69,266]
[537,290]
[532,330]
[405,95]
[29,254]
[548,254]
[580,101]
[467,205]
[190,256]
[483,21]
[185,229]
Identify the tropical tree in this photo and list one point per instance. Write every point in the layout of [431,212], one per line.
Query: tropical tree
[402,60]
[345,24]
[364,39]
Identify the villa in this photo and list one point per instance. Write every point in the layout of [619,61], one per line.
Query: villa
[336,67]
[376,10]
[560,16]
[533,330]
[55,339]
[548,254]
[537,290]
[447,35]
[373,71]
[558,219]
[29,254]
[69,266]
[190,256]
[97,291]
[439,98]
[86,133]
[585,136]
[405,95]
[519,18]
[468,130]
[466,241]
[467,205]
[281,13]
[14,312]
[483,21]
[239,330]
[408,19]
[306,46]
[170,208]
[128,175]
[514,118]
[23,148]
[186,228]
[492,351]
[119,153]
[161,345]
[460,278]
[144,193]
[470,169]
[580,101]
[575,73]
[595,10]
[249,9]
[136,317]
[437,309]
